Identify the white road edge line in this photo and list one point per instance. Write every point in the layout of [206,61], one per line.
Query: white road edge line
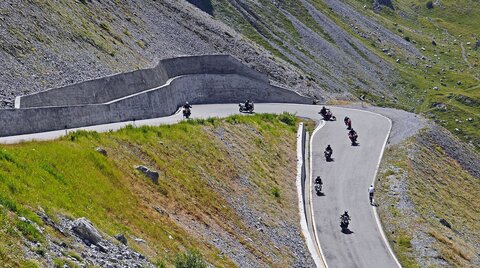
[317,240]
[300,191]
[374,208]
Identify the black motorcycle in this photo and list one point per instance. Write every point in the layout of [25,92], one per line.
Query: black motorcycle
[186,113]
[344,221]
[328,155]
[318,188]
[353,138]
[245,108]
[328,116]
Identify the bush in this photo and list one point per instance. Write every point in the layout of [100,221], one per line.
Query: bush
[275,192]
[288,118]
[190,259]
[407,38]
[429,4]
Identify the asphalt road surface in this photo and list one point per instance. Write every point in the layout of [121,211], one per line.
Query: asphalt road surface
[345,188]
[346,179]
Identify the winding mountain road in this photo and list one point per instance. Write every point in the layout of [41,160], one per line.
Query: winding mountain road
[345,180]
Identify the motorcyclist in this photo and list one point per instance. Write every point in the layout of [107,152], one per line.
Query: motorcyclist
[187,106]
[352,134]
[348,122]
[248,104]
[186,110]
[318,180]
[323,111]
[329,150]
[345,216]
[371,191]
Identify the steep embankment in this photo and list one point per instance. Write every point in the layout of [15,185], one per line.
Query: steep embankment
[427,191]
[226,189]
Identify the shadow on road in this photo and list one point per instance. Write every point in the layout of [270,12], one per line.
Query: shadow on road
[347,231]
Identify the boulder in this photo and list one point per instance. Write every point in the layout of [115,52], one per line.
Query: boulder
[153,175]
[121,238]
[445,223]
[85,230]
[101,150]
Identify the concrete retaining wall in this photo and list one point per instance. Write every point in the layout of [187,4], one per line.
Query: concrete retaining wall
[120,85]
[157,102]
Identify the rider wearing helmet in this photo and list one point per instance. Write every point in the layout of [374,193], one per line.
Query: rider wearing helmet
[186,105]
[323,111]
[345,216]
[318,180]
[329,149]
[352,132]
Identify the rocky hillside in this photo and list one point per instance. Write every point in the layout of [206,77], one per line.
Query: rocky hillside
[426,190]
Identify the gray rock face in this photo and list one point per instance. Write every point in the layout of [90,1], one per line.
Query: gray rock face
[85,230]
[153,175]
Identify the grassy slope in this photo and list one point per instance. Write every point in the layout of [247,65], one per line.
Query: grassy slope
[69,177]
[417,186]
[450,25]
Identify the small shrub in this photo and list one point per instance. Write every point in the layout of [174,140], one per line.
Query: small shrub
[60,263]
[106,27]
[407,38]
[405,241]
[141,44]
[190,259]
[288,118]
[29,231]
[76,135]
[275,192]
[74,255]
[10,205]
[429,4]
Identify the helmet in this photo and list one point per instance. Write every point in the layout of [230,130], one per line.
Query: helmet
[186,102]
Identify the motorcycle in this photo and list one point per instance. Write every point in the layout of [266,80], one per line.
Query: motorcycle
[344,221]
[242,108]
[328,155]
[318,188]
[328,116]
[186,113]
[353,138]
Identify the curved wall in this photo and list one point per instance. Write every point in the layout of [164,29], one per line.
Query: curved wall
[156,102]
[116,86]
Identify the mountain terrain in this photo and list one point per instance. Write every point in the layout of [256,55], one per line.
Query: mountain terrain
[417,56]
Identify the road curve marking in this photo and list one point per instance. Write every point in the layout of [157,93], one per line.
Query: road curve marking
[317,240]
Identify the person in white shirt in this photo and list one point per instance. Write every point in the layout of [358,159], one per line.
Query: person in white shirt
[371,190]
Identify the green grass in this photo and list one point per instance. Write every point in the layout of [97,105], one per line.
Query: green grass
[69,177]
